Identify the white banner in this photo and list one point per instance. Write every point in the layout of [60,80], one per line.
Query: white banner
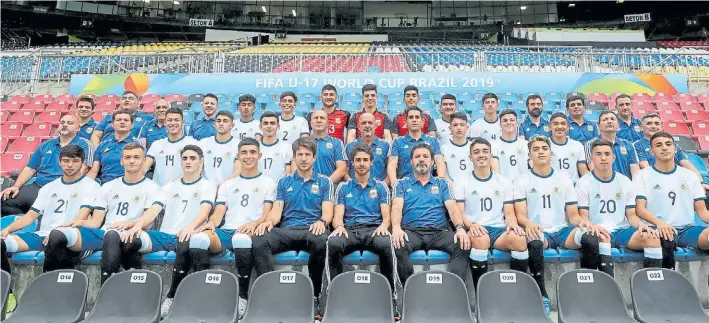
[641,17]
[202,22]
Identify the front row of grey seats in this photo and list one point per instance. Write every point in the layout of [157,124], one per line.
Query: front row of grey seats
[210,296]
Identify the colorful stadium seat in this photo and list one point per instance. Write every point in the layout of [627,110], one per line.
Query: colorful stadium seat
[173,97]
[59,105]
[662,97]
[696,115]
[3,144]
[670,115]
[700,127]
[99,115]
[684,97]
[652,303]
[689,105]
[677,128]
[703,142]
[65,97]
[51,117]
[37,106]
[25,145]
[39,129]
[4,116]
[13,162]
[12,129]
[21,98]
[108,98]
[24,117]
[11,106]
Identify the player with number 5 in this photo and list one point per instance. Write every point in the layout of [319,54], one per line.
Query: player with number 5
[668,197]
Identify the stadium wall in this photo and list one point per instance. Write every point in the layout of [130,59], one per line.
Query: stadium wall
[229,35]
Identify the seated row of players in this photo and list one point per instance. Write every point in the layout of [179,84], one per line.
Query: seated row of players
[540,209]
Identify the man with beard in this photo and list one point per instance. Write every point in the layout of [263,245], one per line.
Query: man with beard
[129,102]
[418,217]
[379,148]
[108,154]
[337,119]
[220,151]
[165,153]
[400,158]
[330,158]
[456,151]
[204,126]
[382,125]
[488,127]
[246,126]
[511,152]
[411,99]
[44,166]
[449,106]
[534,123]
[276,155]
[630,126]
[302,212]
[580,128]
[291,126]
[155,129]
[84,111]
[569,156]
[626,160]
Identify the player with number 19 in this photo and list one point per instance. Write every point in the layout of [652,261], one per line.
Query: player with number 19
[220,160]
[510,151]
[456,152]
[187,203]
[568,155]
[165,153]
[668,197]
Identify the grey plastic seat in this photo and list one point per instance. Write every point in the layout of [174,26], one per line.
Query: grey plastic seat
[586,295]
[206,296]
[436,297]
[5,283]
[291,290]
[57,297]
[662,295]
[500,288]
[130,296]
[359,296]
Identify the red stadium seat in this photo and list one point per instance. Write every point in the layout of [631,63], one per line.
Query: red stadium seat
[667,105]
[25,117]
[149,99]
[39,129]
[108,106]
[701,127]
[3,144]
[13,162]
[37,106]
[703,142]
[643,105]
[62,106]
[639,112]
[99,115]
[46,98]
[24,98]
[683,97]
[173,97]
[641,97]
[51,117]
[677,128]
[670,115]
[689,105]
[25,144]
[12,129]
[598,96]
[4,116]
[107,97]
[11,106]
[662,97]
[64,97]
[696,115]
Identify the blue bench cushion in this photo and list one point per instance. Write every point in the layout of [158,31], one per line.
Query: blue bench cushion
[418,257]
[354,258]
[437,257]
[25,258]
[287,258]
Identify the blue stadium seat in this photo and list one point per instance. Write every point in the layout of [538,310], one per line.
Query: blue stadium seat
[303,258]
[25,258]
[157,258]
[568,255]
[353,259]
[369,258]
[224,259]
[699,164]
[287,258]
[551,255]
[6,220]
[93,259]
[695,255]
[418,257]
[437,257]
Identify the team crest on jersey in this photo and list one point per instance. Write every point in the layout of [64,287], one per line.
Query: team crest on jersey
[195,195]
[228,153]
[138,119]
[315,189]
[519,151]
[556,190]
[617,196]
[377,123]
[115,197]
[372,193]
[379,151]
[136,198]
[74,196]
[573,155]
[589,128]
[338,120]
[623,151]
[497,193]
[598,196]
[636,128]
[683,187]
[328,145]
[546,128]
[435,190]
[89,130]
[256,189]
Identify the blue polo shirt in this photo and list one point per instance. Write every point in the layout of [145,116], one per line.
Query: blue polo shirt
[583,132]
[106,125]
[152,132]
[625,155]
[302,200]
[203,128]
[424,204]
[529,129]
[642,147]
[402,146]
[380,151]
[330,151]
[45,160]
[630,131]
[362,204]
[87,129]
[108,153]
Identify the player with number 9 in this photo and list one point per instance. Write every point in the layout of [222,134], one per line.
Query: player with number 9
[165,153]
[668,197]
[220,151]
[510,152]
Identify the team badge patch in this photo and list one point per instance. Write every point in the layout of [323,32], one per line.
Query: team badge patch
[315,189]
[636,128]
[623,151]
[377,123]
[683,187]
[74,196]
[372,193]
[497,193]
[435,190]
[556,190]
[328,145]
[136,198]
[138,119]
[338,121]
[196,195]
[573,155]
[89,130]
[256,189]
[379,151]
[589,128]
[228,153]
[546,128]
[617,196]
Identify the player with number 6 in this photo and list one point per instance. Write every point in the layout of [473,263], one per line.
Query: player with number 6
[510,152]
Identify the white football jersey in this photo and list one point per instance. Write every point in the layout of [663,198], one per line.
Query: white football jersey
[547,198]
[275,159]
[125,201]
[181,202]
[481,128]
[167,159]
[244,198]
[59,202]
[484,198]
[565,158]
[670,196]
[458,164]
[290,130]
[247,129]
[512,156]
[219,158]
[606,201]
[443,130]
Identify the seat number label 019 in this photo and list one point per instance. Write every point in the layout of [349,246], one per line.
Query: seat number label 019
[434,279]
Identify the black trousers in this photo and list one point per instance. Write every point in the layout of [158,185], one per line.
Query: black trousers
[22,203]
[284,239]
[431,239]
[360,238]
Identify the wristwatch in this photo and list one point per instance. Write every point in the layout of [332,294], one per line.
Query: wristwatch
[460,226]
[323,221]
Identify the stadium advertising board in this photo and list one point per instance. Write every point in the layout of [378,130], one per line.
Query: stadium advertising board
[453,82]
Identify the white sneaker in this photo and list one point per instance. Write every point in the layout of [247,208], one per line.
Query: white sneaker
[242,307]
[165,308]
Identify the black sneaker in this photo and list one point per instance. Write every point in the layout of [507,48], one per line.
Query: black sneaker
[316,308]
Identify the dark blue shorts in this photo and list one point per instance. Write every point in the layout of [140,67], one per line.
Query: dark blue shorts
[162,241]
[688,236]
[225,236]
[558,238]
[91,239]
[494,233]
[33,240]
[620,237]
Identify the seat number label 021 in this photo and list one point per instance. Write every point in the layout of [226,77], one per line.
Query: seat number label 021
[584,278]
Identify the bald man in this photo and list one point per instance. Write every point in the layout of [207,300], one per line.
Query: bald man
[155,129]
[379,147]
[44,165]
[330,157]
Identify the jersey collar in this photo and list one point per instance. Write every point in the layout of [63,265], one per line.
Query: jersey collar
[250,177]
[454,144]
[178,140]
[542,176]
[558,144]
[223,142]
[182,180]
[510,141]
[497,118]
[482,179]
[72,182]
[123,179]
[273,144]
[665,173]
[601,180]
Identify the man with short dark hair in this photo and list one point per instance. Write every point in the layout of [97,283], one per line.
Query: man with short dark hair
[580,128]
[626,159]
[569,156]
[106,165]
[276,155]
[85,111]
[165,153]
[330,158]
[510,152]
[246,126]
[449,106]
[487,127]
[291,126]
[204,126]
[129,102]
[383,126]
[411,99]
[399,164]
[629,125]
[337,119]
[220,151]
[456,151]
[534,123]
